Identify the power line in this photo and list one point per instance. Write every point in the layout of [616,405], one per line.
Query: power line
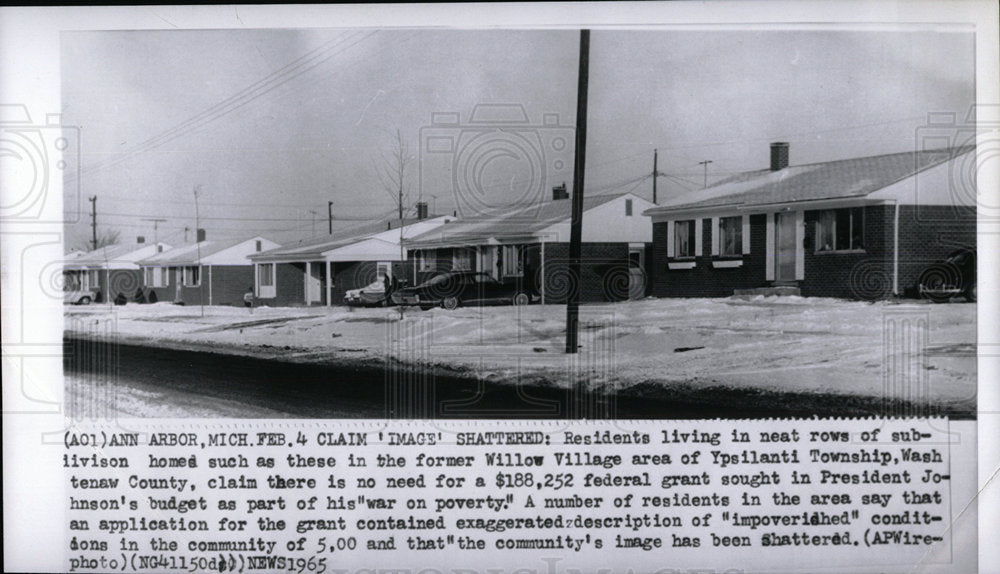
[260,88]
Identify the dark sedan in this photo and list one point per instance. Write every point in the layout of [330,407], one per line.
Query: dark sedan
[455,288]
[952,277]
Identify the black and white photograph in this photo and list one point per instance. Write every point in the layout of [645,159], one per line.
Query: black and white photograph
[550,288]
[773,221]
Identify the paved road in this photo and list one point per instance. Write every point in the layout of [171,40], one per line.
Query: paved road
[127,380]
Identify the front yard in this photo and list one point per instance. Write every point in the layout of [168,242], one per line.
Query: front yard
[912,351]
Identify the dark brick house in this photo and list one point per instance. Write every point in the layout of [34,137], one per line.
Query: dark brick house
[530,243]
[209,272]
[860,228]
[320,270]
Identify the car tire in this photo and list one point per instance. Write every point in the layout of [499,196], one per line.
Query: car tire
[450,303]
[425,307]
[520,299]
[83,301]
[970,294]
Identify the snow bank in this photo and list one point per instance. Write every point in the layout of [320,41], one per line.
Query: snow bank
[784,344]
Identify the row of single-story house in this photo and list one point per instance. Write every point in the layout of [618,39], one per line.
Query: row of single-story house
[529,243]
[319,271]
[209,272]
[109,271]
[860,228]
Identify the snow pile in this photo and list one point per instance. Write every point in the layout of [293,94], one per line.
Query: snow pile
[786,344]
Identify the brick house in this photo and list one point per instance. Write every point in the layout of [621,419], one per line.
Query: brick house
[109,271]
[530,243]
[319,271]
[860,228]
[209,272]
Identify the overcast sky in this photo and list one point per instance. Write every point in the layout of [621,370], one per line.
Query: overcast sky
[273,124]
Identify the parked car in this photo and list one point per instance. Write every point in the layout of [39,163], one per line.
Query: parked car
[370,296]
[953,276]
[454,288]
[78,297]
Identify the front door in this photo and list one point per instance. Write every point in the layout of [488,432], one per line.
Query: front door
[784,241]
[314,283]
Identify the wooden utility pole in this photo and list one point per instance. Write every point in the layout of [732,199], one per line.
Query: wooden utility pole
[329,215]
[576,220]
[93,220]
[655,175]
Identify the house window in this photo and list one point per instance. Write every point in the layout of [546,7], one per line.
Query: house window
[383,269]
[427,260]
[684,238]
[192,276]
[513,263]
[628,208]
[462,260]
[157,277]
[731,235]
[840,230]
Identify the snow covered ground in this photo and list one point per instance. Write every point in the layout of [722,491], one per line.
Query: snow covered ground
[912,350]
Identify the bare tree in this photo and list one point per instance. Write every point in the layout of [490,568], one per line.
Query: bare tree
[104,238]
[391,167]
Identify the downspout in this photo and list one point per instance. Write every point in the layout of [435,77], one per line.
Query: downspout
[209,284]
[541,283]
[895,249]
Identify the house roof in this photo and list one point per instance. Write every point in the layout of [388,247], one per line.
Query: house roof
[511,222]
[832,180]
[115,256]
[192,254]
[315,248]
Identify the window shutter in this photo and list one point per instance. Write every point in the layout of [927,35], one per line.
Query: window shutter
[769,251]
[697,237]
[746,234]
[714,234]
[670,239]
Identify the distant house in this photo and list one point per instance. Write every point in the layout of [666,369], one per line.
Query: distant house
[319,271]
[211,272]
[530,243]
[856,228]
[109,271]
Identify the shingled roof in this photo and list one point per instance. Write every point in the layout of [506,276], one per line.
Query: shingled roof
[847,178]
[512,222]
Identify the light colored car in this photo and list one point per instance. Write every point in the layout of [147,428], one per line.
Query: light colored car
[369,296]
[78,297]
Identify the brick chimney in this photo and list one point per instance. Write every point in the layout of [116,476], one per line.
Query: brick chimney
[559,192]
[422,210]
[140,239]
[201,235]
[779,156]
